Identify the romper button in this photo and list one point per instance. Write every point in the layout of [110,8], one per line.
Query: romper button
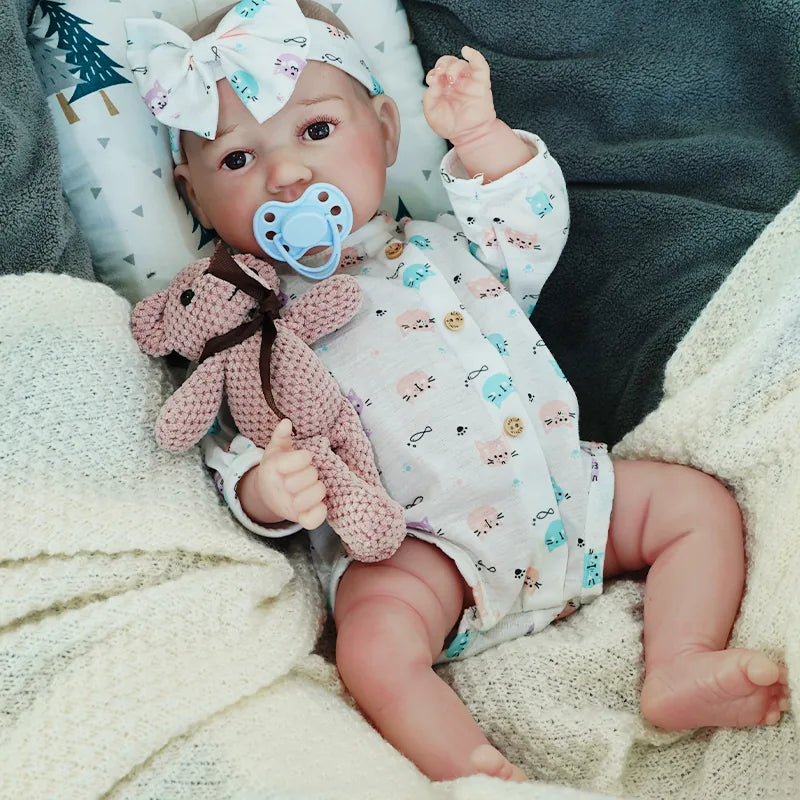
[393,250]
[454,320]
[513,426]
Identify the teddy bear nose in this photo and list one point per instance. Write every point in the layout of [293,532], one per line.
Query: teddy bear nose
[187,296]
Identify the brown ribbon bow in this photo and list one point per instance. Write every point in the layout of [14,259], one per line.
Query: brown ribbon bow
[223,266]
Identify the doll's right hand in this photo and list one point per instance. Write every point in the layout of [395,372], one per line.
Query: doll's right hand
[287,483]
[458,102]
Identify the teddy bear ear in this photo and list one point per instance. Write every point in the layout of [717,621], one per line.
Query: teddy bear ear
[264,270]
[147,324]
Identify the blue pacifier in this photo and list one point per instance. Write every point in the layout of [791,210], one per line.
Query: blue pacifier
[321,217]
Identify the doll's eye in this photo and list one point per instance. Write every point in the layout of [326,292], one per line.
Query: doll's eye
[319,130]
[237,159]
[187,295]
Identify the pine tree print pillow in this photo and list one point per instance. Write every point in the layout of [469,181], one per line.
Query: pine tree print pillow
[116,164]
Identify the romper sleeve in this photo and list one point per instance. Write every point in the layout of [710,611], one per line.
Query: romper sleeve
[516,225]
[230,455]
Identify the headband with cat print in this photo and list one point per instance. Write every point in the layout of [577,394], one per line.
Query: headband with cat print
[260,46]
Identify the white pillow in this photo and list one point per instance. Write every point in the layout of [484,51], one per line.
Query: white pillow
[116,165]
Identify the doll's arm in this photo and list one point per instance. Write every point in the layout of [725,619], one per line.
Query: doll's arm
[324,309]
[230,456]
[241,470]
[517,225]
[513,205]
[458,106]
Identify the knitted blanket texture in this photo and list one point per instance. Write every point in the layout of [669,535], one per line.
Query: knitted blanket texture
[151,648]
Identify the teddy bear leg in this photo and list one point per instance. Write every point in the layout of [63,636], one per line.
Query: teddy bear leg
[349,441]
[367,520]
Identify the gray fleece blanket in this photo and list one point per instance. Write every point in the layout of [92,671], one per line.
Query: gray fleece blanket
[37,228]
[677,126]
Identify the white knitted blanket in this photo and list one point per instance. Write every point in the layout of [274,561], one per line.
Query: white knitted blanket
[150,648]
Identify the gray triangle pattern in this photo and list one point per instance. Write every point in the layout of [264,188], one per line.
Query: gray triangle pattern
[157,14]
[380,46]
[426,173]
[139,211]
[104,142]
[335,7]
[130,259]
[95,190]
[157,172]
[154,128]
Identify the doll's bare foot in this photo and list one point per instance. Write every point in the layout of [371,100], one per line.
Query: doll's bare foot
[489,761]
[733,688]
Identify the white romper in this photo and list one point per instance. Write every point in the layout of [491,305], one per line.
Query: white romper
[473,424]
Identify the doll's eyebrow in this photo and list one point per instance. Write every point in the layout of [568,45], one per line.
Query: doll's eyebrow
[220,134]
[321,99]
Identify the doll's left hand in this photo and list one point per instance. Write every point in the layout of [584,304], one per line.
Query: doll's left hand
[458,102]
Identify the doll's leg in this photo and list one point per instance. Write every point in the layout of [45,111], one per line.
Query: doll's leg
[392,619]
[687,528]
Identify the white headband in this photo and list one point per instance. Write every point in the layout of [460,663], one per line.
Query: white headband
[260,46]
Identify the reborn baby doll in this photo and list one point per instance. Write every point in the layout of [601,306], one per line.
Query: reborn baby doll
[513,521]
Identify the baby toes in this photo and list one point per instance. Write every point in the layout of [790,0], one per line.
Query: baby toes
[761,671]
[490,761]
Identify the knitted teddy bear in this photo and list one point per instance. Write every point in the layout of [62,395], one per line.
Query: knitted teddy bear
[222,312]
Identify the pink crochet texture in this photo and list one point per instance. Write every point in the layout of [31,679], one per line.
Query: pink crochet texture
[198,306]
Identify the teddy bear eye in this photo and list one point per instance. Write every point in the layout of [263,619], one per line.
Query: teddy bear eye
[187,296]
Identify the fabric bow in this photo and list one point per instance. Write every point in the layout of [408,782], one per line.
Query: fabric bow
[223,266]
[260,46]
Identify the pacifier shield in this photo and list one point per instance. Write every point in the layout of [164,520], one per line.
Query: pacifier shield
[321,217]
[304,228]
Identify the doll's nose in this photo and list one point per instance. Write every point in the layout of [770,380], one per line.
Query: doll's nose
[288,176]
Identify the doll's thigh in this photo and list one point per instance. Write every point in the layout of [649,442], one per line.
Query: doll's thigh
[416,596]
[656,503]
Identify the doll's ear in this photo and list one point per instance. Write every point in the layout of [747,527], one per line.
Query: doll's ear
[389,118]
[182,175]
[147,324]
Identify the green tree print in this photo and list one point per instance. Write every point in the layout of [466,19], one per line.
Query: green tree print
[83,51]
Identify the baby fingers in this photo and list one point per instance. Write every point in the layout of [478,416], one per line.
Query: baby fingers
[308,505]
[301,479]
[447,70]
[291,461]
[478,64]
[314,517]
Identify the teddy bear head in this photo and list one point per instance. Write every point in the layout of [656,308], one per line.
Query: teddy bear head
[197,306]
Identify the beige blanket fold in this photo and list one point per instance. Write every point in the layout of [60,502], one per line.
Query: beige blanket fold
[150,648]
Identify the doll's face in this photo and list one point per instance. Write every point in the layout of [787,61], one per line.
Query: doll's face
[329,131]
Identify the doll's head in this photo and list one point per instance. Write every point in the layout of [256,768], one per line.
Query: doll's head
[325,125]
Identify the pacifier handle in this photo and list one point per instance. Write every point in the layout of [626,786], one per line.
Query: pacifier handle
[321,217]
[316,273]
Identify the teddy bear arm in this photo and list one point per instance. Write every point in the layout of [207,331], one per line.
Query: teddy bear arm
[324,309]
[147,324]
[190,411]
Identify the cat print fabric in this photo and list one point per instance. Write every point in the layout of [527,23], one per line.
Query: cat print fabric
[474,426]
